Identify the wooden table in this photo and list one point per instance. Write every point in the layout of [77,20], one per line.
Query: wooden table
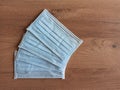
[94,66]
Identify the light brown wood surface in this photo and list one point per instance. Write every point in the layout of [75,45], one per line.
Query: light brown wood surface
[94,66]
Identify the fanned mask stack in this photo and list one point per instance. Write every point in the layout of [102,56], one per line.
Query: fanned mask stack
[45,49]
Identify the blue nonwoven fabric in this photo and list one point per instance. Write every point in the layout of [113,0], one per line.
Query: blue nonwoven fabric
[45,49]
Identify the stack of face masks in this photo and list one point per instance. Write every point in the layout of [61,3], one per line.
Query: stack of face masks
[45,49]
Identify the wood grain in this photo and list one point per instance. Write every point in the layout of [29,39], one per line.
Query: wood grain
[94,66]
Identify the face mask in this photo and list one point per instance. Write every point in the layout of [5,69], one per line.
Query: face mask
[38,49]
[45,49]
[27,70]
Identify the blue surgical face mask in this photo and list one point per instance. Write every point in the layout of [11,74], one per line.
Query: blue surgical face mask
[45,49]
